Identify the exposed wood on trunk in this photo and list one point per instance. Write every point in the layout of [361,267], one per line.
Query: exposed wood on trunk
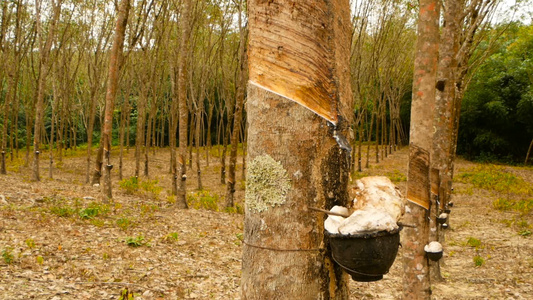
[416,280]
[282,255]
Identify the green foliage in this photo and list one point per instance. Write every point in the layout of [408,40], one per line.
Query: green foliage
[171,237]
[124,223]
[524,232]
[478,261]
[30,243]
[495,178]
[473,242]
[135,241]
[134,185]
[126,295]
[203,200]
[151,187]
[396,176]
[238,209]
[130,185]
[63,211]
[523,206]
[7,255]
[496,122]
[93,210]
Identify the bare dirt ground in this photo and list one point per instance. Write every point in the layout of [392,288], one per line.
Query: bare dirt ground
[59,241]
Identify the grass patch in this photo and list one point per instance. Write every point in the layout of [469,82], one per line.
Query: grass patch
[62,211]
[203,200]
[124,223]
[171,237]
[130,185]
[93,210]
[137,241]
[235,210]
[7,255]
[396,176]
[523,206]
[495,178]
[478,261]
[136,186]
[473,242]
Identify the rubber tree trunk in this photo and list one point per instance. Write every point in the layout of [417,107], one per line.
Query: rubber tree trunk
[416,283]
[293,160]
[239,101]
[181,200]
[528,152]
[44,61]
[441,158]
[112,84]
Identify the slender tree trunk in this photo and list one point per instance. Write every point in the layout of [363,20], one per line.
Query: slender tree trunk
[173,120]
[52,121]
[7,103]
[98,162]
[360,143]
[181,200]
[416,283]
[225,138]
[244,147]
[124,110]
[44,53]
[528,152]
[29,124]
[90,129]
[443,123]
[230,186]
[197,142]
[140,130]
[369,137]
[285,255]
[112,85]
[377,133]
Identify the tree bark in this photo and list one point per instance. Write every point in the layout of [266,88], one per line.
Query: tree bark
[416,280]
[443,122]
[181,200]
[112,85]
[44,53]
[239,100]
[528,152]
[291,153]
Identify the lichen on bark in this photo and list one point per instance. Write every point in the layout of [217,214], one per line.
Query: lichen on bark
[267,184]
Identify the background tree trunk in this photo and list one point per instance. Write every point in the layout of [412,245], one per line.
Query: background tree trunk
[44,53]
[181,200]
[239,100]
[112,85]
